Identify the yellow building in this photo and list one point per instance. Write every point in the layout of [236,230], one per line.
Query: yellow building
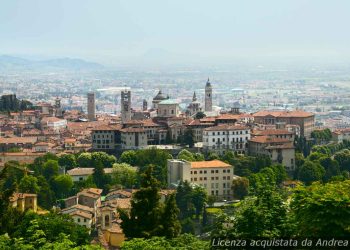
[24,201]
[215,176]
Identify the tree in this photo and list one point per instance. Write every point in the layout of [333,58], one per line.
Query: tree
[261,216]
[99,175]
[171,223]
[29,184]
[240,187]
[124,175]
[68,161]
[62,184]
[46,196]
[186,155]
[199,115]
[144,219]
[331,167]
[129,157]
[184,200]
[322,210]
[84,160]
[50,169]
[106,159]
[189,137]
[310,171]
[183,241]
[199,198]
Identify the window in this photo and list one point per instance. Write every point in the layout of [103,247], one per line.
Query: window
[205,171]
[228,170]
[224,171]
[224,177]
[195,172]
[84,220]
[201,172]
[195,179]
[212,192]
[200,178]
[212,185]
[78,219]
[216,178]
[228,177]
[212,178]
[217,185]
[224,185]
[217,171]
[205,178]
[212,171]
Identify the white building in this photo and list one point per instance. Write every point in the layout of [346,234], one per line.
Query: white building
[226,137]
[53,123]
[215,176]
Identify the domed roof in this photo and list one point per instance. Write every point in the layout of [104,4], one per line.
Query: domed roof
[208,84]
[160,96]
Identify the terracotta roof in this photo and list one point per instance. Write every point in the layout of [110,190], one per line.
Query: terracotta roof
[86,171]
[226,127]
[79,207]
[294,113]
[106,127]
[132,130]
[209,164]
[273,132]
[227,117]
[116,228]
[18,140]
[52,119]
[81,214]
[267,139]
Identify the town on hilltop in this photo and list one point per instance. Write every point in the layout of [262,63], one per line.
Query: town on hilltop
[164,169]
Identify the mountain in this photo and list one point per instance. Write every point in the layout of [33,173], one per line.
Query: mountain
[17,63]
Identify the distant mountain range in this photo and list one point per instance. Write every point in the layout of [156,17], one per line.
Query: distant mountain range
[18,63]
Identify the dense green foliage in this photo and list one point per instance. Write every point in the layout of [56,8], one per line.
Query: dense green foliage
[146,218]
[184,241]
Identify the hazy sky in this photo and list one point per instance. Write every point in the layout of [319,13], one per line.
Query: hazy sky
[181,30]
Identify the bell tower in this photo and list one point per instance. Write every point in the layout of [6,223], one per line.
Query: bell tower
[208,102]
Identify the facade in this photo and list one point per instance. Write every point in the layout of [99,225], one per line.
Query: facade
[208,100]
[215,176]
[82,218]
[125,106]
[91,106]
[280,150]
[53,123]
[305,120]
[133,138]
[105,137]
[224,138]
[17,142]
[341,135]
[168,108]
[81,174]
[24,201]
[194,106]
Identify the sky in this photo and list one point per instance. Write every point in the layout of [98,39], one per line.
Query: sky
[130,31]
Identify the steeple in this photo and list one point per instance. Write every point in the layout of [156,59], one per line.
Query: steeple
[194,98]
[208,83]
[208,99]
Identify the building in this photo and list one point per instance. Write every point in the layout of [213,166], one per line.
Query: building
[133,138]
[53,123]
[280,150]
[106,137]
[208,99]
[91,106]
[24,201]
[215,176]
[305,120]
[194,107]
[168,108]
[341,135]
[125,106]
[227,137]
[158,98]
[81,174]
[17,142]
[82,218]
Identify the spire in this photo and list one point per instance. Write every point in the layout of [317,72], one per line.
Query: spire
[194,98]
[208,83]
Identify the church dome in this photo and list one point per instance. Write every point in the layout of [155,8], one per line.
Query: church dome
[160,96]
